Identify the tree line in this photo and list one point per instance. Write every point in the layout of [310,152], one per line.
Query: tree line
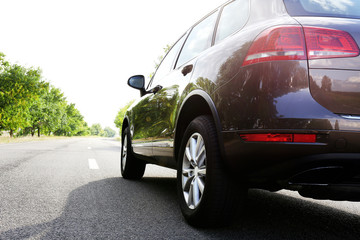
[29,105]
[96,130]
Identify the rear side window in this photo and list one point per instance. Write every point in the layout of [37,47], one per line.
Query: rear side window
[200,38]
[324,8]
[233,18]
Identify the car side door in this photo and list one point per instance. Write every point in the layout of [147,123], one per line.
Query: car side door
[173,83]
[149,116]
[164,88]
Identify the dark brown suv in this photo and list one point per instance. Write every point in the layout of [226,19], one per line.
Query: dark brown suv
[258,94]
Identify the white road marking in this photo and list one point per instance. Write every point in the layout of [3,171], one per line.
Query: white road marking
[93,164]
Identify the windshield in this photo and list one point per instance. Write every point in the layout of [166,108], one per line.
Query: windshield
[324,8]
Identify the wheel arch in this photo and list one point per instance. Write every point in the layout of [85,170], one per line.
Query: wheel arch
[125,124]
[195,104]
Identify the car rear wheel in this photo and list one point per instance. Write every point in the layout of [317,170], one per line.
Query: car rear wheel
[131,167]
[207,195]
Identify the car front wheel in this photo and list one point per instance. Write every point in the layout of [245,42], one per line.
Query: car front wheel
[131,167]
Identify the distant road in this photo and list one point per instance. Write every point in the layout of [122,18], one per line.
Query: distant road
[72,189]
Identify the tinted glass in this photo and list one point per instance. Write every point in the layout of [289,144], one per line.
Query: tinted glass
[199,39]
[167,62]
[233,18]
[136,81]
[331,8]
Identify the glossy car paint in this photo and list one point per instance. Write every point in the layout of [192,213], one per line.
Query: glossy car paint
[335,83]
[268,97]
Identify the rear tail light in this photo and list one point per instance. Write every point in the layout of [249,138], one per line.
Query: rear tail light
[271,137]
[281,43]
[329,43]
[288,43]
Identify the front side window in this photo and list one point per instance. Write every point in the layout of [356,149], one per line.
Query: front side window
[233,18]
[167,63]
[200,38]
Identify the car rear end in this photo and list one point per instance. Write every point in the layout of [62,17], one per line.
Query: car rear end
[332,33]
[312,141]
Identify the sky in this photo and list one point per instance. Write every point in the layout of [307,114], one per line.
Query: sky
[90,48]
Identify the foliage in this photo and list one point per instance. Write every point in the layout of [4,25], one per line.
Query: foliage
[96,130]
[108,132]
[121,114]
[72,123]
[20,87]
[29,104]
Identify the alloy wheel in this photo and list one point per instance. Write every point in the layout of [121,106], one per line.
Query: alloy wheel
[124,153]
[194,170]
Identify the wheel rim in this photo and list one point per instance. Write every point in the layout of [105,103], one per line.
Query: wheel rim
[124,153]
[194,170]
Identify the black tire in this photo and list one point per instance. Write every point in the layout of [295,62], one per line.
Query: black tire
[218,197]
[131,167]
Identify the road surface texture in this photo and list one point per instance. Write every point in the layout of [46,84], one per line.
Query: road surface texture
[72,189]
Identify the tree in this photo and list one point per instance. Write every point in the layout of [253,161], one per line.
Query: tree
[54,109]
[96,129]
[72,123]
[121,114]
[108,132]
[326,84]
[27,104]
[19,88]
[45,112]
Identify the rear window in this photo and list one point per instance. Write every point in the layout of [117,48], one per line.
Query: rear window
[324,8]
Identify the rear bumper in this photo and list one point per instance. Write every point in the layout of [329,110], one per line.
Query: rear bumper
[328,169]
[257,161]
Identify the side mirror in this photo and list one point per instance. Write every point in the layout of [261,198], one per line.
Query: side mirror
[137,82]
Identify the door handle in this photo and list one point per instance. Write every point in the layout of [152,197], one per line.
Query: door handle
[187,69]
[156,89]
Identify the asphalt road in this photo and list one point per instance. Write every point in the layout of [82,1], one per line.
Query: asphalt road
[51,190]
